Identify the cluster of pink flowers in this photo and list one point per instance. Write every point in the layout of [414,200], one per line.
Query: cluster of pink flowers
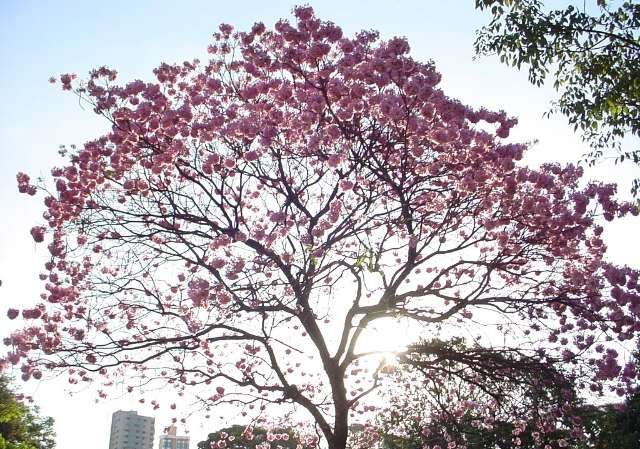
[199,291]
[24,185]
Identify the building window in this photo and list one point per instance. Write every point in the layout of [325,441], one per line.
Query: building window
[166,444]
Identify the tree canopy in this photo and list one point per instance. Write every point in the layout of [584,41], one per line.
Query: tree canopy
[408,421]
[613,426]
[592,56]
[248,219]
[249,437]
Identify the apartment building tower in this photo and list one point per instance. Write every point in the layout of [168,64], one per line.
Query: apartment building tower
[131,431]
[171,440]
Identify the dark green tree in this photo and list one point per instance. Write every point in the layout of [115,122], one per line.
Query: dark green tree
[241,437]
[421,412]
[612,426]
[592,55]
[455,393]
[21,426]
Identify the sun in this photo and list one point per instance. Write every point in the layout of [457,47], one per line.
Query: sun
[387,337]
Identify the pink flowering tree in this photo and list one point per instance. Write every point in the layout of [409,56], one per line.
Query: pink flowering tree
[248,219]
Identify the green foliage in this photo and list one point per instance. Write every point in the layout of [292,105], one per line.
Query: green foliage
[20,426]
[593,59]
[611,427]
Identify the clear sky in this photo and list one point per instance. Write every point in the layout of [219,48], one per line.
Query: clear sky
[43,38]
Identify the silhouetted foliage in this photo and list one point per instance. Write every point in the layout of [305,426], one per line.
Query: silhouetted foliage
[593,60]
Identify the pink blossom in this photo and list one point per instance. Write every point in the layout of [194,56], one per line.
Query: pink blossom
[198,291]
[37,232]
[66,80]
[24,185]
[346,185]
[334,160]
[218,263]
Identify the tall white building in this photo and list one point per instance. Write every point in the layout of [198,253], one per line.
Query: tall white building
[172,441]
[131,431]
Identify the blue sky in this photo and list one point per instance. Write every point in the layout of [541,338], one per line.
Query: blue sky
[39,39]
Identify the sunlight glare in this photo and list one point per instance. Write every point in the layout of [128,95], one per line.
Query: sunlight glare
[387,337]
